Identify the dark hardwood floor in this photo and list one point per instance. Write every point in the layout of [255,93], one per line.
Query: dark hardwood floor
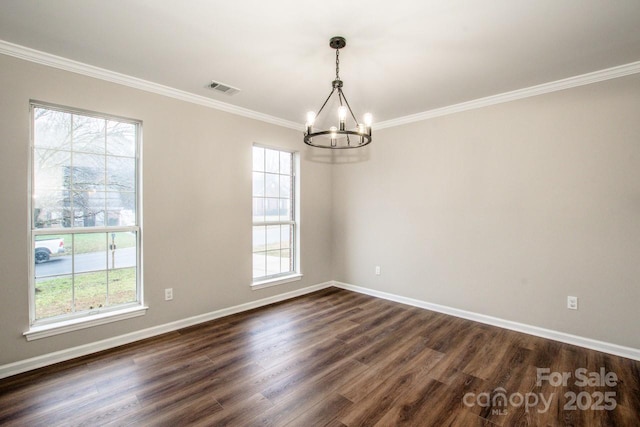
[330,358]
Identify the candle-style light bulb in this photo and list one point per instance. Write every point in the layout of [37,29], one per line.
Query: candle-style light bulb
[342,116]
[311,118]
[368,120]
[361,131]
[333,130]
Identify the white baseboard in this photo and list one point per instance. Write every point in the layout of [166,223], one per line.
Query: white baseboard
[605,347]
[83,350]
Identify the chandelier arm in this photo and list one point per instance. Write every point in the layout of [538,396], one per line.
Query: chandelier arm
[348,106]
[325,102]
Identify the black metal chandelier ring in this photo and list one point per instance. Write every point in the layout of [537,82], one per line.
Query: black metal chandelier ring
[362,139]
[338,137]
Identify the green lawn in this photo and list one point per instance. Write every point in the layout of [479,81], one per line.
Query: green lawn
[92,242]
[54,296]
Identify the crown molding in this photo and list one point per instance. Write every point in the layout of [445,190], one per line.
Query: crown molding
[581,80]
[59,62]
[66,64]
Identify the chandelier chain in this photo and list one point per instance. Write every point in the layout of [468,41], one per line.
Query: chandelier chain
[337,64]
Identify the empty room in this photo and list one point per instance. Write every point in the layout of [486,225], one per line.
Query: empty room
[337,213]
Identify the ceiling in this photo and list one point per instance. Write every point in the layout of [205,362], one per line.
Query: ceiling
[402,57]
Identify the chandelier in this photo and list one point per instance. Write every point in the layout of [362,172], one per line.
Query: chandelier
[341,136]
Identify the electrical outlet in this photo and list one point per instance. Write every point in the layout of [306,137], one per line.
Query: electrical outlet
[168,294]
[572,303]
[377,270]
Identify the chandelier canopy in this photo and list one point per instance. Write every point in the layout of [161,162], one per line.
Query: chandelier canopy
[341,136]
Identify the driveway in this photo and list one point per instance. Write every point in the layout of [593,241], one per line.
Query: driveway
[93,261]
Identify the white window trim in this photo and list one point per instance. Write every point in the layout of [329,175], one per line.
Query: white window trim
[295,275]
[64,326]
[281,280]
[50,327]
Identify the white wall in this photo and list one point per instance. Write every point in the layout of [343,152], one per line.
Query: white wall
[197,203]
[505,211]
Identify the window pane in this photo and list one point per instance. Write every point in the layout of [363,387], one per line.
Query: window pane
[89,252]
[122,250]
[272,186]
[121,209]
[273,237]
[285,212]
[53,296]
[50,209]
[285,260]
[273,262]
[51,176]
[259,264]
[121,139]
[88,134]
[285,236]
[272,160]
[90,290]
[51,255]
[88,172]
[50,169]
[258,209]
[122,286]
[285,163]
[121,173]
[272,209]
[258,159]
[51,129]
[88,208]
[258,184]
[285,186]
[259,238]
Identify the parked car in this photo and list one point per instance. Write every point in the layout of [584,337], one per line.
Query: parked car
[46,248]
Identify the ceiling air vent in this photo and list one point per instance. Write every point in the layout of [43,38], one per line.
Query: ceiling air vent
[221,87]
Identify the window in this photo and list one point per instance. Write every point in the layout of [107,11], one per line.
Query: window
[274,214]
[85,215]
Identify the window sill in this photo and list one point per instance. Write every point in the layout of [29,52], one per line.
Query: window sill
[276,281]
[43,331]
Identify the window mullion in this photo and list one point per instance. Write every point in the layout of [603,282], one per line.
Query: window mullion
[258,223]
[88,230]
[71,213]
[104,192]
[73,273]
[106,297]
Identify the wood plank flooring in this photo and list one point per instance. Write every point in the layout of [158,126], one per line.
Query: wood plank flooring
[331,358]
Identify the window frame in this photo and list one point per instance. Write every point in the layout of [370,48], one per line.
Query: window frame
[40,328]
[294,275]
